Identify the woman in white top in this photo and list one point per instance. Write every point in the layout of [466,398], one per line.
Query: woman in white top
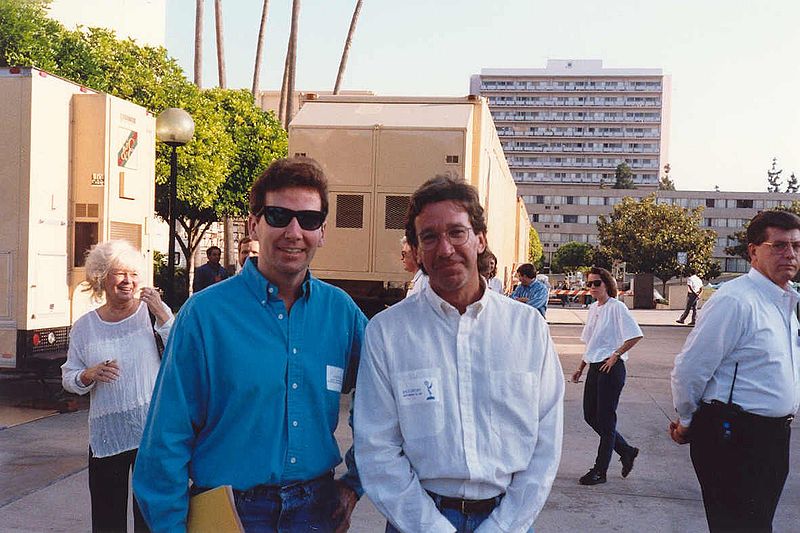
[609,333]
[113,355]
[488,268]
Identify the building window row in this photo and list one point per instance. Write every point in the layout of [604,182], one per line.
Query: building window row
[579,131]
[592,162]
[577,116]
[570,85]
[541,146]
[578,177]
[577,101]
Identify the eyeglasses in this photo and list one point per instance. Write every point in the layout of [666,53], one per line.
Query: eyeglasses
[780,247]
[280,217]
[594,283]
[456,236]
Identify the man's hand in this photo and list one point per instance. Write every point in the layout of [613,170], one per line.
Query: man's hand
[521,299]
[609,363]
[576,376]
[344,508]
[678,433]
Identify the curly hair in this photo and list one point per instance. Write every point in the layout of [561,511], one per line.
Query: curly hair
[105,256]
[608,280]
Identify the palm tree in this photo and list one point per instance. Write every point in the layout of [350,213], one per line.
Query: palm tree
[262,30]
[290,78]
[198,43]
[347,44]
[220,44]
[282,98]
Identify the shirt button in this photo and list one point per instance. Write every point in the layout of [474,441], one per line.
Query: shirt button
[263,302]
[294,385]
[294,423]
[270,290]
[293,460]
[280,316]
[294,350]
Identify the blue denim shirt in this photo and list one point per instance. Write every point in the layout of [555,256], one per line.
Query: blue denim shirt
[248,394]
[536,293]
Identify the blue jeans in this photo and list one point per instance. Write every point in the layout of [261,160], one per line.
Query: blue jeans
[298,507]
[600,400]
[464,523]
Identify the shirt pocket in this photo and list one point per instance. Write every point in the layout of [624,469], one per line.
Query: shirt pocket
[420,405]
[512,403]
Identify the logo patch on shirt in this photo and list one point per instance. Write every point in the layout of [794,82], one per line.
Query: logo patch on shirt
[419,391]
[334,378]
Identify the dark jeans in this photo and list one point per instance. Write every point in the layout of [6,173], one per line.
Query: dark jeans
[108,487]
[298,507]
[600,399]
[464,523]
[691,305]
[742,471]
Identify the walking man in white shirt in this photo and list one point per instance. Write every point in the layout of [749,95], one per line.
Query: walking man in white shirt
[736,383]
[458,425]
[694,285]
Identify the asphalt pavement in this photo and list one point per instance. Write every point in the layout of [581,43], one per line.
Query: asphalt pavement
[43,480]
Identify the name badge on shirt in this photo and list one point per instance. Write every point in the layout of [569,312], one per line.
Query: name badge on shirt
[419,390]
[335,375]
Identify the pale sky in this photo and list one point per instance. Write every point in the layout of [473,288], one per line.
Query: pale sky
[734,63]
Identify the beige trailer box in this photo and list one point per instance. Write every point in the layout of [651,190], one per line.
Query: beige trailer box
[376,152]
[78,168]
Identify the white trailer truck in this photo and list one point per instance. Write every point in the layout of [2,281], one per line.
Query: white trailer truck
[376,151]
[78,169]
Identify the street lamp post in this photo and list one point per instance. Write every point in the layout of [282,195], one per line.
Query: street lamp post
[174,127]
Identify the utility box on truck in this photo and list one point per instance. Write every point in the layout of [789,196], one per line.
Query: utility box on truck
[376,151]
[78,169]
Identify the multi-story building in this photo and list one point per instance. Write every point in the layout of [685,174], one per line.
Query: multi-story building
[567,214]
[574,121]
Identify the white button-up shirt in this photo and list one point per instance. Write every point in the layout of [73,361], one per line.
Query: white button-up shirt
[752,321]
[467,406]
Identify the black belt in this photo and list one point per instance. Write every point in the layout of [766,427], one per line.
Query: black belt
[466,506]
[770,421]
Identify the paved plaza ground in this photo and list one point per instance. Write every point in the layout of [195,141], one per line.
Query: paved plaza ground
[43,480]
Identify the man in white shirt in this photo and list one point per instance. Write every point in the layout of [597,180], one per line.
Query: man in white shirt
[458,425]
[736,383]
[695,285]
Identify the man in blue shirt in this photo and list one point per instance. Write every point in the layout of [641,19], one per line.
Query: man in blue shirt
[210,273]
[530,290]
[248,393]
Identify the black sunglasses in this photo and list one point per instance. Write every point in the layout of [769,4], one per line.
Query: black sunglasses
[280,217]
[594,283]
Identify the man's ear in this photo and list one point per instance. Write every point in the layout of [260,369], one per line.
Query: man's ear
[252,224]
[322,234]
[481,243]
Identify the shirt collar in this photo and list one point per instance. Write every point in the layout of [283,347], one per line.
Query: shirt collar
[769,288]
[260,285]
[446,310]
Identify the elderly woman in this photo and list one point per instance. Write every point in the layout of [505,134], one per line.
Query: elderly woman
[114,355]
[488,268]
[609,333]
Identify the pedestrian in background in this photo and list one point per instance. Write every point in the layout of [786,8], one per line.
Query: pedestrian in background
[488,269]
[114,356]
[609,333]
[736,383]
[530,290]
[247,248]
[412,266]
[210,273]
[695,286]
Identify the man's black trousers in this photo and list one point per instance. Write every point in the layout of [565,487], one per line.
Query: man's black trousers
[741,468]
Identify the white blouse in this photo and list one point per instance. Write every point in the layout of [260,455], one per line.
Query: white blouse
[607,327]
[118,410]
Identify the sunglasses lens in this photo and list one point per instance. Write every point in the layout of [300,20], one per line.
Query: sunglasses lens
[310,220]
[278,217]
[595,283]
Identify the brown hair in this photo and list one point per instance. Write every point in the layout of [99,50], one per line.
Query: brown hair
[757,229]
[440,189]
[608,280]
[483,264]
[287,173]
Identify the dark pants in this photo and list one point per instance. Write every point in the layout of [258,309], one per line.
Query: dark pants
[302,506]
[741,471]
[108,487]
[600,399]
[691,305]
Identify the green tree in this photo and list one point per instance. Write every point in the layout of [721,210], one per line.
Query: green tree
[774,177]
[791,184]
[648,236]
[665,183]
[623,177]
[535,249]
[572,255]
